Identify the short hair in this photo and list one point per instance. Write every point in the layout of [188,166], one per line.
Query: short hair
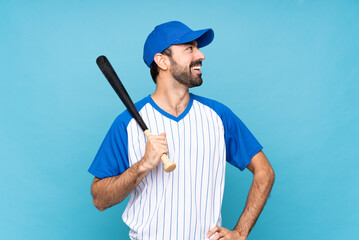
[154,67]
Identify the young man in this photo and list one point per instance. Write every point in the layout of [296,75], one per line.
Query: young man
[197,133]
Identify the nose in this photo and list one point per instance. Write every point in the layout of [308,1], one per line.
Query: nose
[199,55]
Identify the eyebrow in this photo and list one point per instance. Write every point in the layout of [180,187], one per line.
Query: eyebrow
[193,43]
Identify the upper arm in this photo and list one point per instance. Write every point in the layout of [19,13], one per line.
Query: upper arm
[259,162]
[241,145]
[95,180]
[112,156]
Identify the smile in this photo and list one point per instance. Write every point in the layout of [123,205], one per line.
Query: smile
[196,67]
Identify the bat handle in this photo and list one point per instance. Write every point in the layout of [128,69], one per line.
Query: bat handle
[169,166]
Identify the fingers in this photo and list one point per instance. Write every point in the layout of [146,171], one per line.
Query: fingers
[214,230]
[223,233]
[162,136]
[218,236]
[158,141]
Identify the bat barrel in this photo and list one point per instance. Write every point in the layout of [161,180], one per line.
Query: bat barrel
[117,85]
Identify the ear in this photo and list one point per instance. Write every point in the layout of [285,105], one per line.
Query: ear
[162,61]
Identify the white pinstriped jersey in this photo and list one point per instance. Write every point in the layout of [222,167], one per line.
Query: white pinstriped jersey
[186,203]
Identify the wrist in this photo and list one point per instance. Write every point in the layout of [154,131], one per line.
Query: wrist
[241,232]
[144,165]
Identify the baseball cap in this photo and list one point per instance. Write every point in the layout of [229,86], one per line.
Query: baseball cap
[170,33]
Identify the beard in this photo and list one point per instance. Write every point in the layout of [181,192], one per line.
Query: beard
[184,75]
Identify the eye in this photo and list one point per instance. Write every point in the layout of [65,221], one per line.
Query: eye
[190,48]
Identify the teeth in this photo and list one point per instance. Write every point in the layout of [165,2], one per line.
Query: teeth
[197,67]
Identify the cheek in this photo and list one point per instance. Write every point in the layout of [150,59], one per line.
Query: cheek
[185,60]
[184,63]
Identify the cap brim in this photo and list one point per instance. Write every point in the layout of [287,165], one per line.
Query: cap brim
[203,37]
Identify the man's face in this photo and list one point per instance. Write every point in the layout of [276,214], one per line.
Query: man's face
[186,61]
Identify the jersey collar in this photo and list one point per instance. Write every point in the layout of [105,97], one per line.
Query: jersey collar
[166,114]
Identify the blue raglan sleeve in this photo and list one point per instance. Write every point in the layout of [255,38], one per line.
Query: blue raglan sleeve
[241,145]
[112,157]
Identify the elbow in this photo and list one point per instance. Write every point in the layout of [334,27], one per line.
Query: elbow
[96,200]
[271,175]
[265,177]
[99,206]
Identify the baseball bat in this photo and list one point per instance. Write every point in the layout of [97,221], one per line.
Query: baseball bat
[116,84]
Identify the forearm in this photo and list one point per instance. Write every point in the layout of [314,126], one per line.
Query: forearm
[110,191]
[257,197]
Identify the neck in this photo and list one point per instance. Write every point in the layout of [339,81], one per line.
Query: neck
[171,96]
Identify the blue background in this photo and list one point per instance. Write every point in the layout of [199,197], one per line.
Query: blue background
[288,69]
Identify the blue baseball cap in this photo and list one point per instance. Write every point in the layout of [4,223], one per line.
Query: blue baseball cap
[170,33]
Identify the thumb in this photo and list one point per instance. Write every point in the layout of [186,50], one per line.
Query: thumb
[163,134]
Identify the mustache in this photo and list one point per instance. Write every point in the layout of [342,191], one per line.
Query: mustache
[195,63]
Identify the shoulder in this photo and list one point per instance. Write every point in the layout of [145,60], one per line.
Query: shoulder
[124,118]
[216,106]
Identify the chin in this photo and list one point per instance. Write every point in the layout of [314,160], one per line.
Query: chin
[195,84]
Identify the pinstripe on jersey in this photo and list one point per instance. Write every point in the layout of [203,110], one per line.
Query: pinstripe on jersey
[186,203]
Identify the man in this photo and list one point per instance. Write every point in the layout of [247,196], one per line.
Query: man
[197,133]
